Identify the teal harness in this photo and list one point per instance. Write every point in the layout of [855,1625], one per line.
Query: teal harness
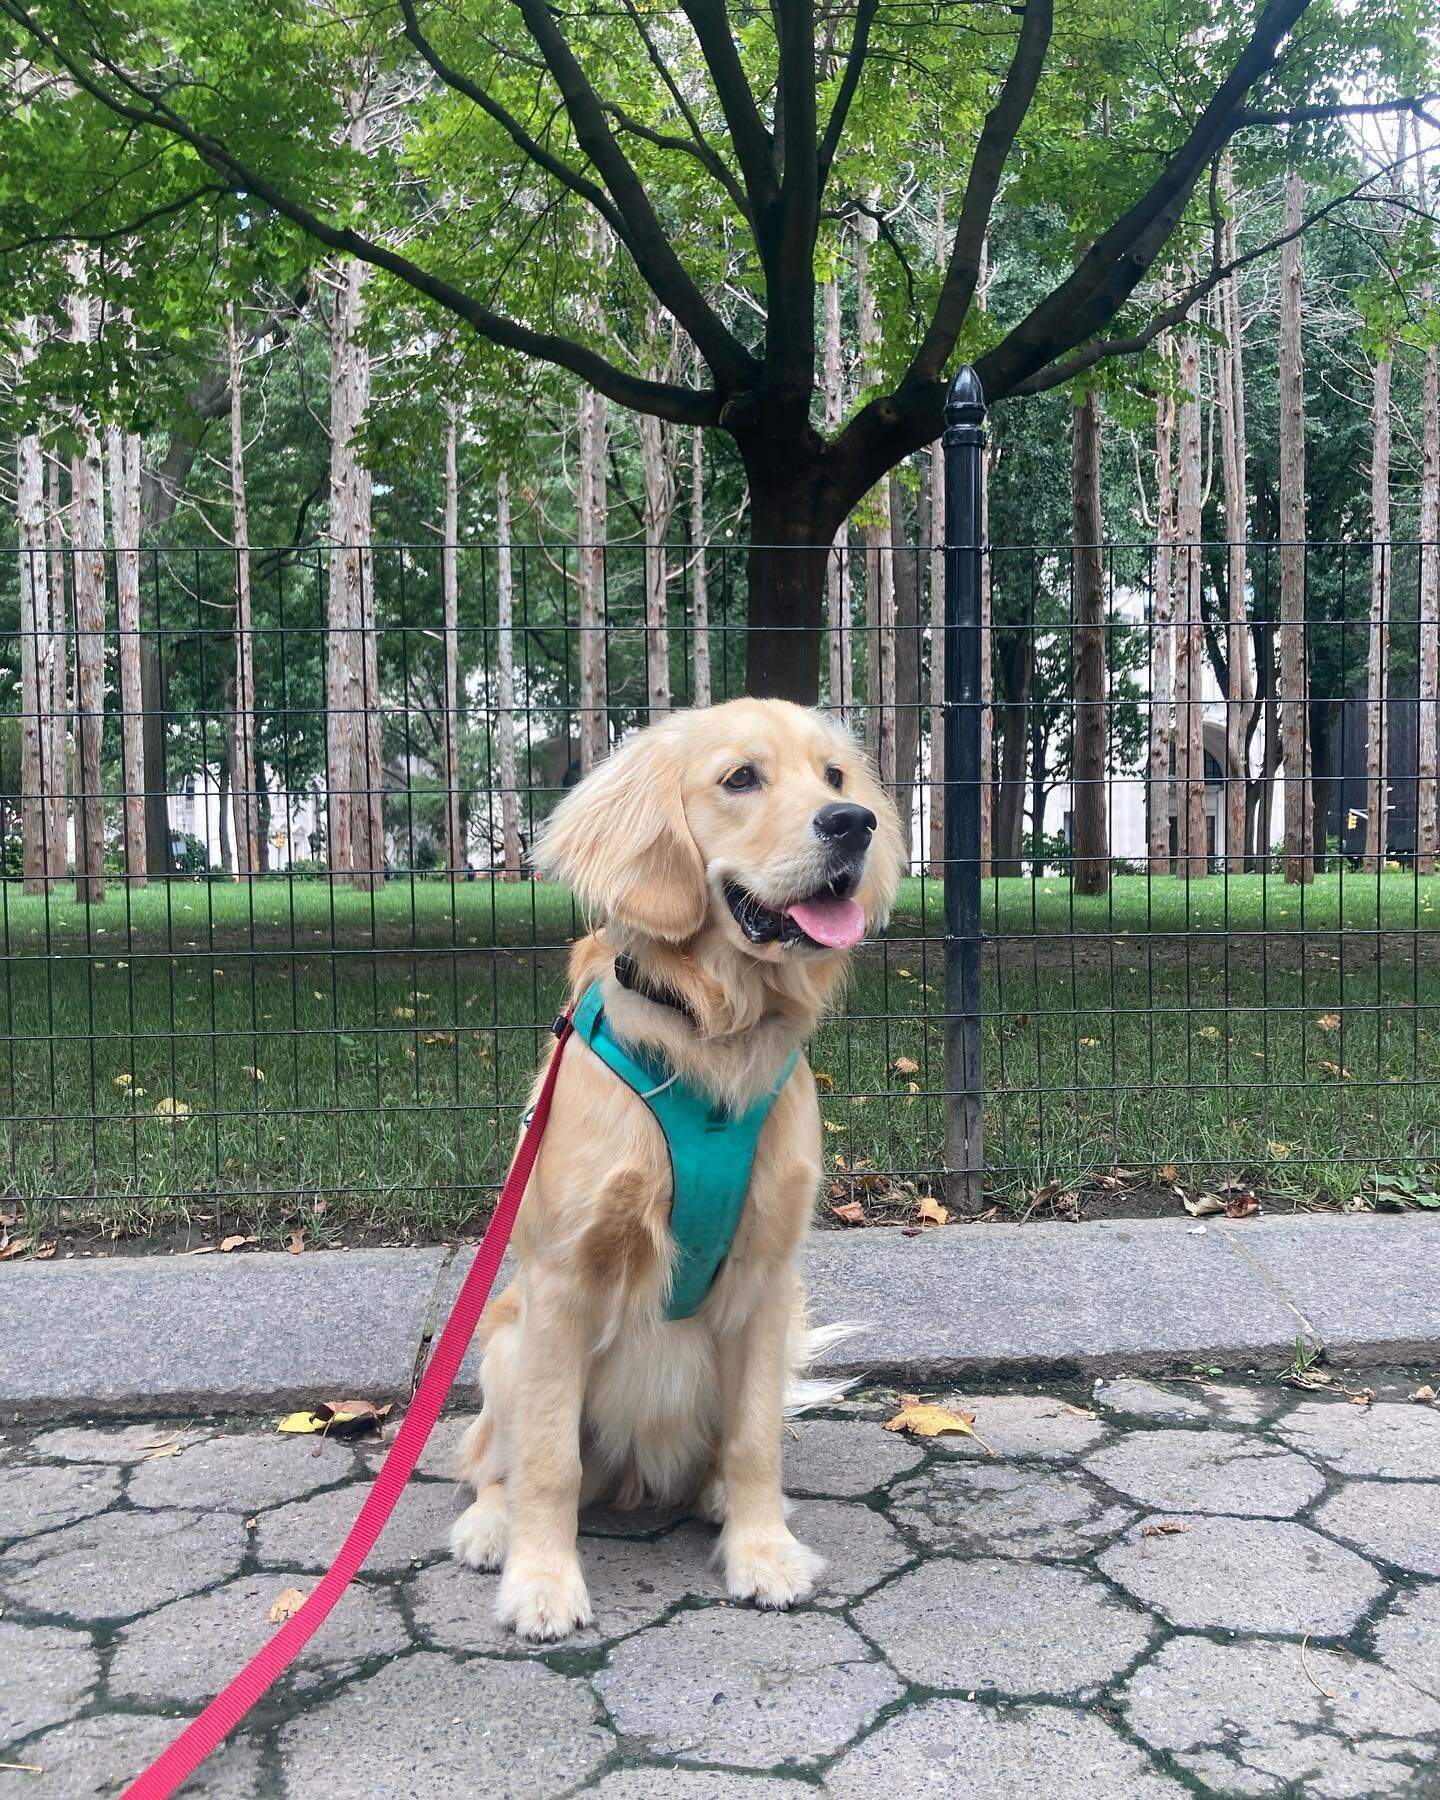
[711,1154]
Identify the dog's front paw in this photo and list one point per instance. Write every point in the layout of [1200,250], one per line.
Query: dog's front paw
[774,1571]
[543,1604]
[479,1536]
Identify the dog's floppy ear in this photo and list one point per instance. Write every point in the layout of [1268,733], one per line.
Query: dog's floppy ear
[620,839]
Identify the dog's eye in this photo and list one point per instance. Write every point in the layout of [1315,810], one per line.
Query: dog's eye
[740,780]
[836,777]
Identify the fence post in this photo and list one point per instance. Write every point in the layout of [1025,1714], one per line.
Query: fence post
[964,450]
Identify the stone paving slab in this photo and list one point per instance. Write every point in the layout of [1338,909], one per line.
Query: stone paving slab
[993,1626]
[1103,1298]
[167,1334]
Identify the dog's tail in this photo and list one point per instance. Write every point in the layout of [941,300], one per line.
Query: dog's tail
[808,1343]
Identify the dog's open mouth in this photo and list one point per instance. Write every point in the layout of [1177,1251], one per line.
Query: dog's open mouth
[827,919]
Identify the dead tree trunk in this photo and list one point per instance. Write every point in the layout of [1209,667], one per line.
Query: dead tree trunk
[907,667]
[837,584]
[87,535]
[699,573]
[450,592]
[1377,664]
[242,738]
[1425,848]
[1162,637]
[123,456]
[1230,399]
[1192,850]
[591,525]
[1294,681]
[38,773]
[1091,847]
[505,694]
[659,484]
[879,535]
[60,792]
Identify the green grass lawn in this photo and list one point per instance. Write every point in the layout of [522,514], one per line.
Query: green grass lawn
[284,1053]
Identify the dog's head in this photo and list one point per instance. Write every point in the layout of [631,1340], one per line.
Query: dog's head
[756,819]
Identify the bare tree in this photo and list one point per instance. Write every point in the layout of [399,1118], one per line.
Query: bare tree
[1163,692]
[87,532]
[699,572]
[879,537]
[1192,847]
[39,774]
[837,572]
[244,800]
[1377,665]
[1091,846]
[1230,403]
[1294,678]
[505,694]
[591,516]
[450,599]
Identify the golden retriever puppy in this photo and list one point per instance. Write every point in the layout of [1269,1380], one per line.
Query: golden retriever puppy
[734,856]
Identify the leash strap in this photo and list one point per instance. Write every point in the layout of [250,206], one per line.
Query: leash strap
[229,1707]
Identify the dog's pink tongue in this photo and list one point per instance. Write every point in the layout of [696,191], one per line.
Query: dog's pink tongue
[833,922]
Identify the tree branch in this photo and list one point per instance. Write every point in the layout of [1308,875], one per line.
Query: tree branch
[75,234]
[753,147]
[790,335]
[849,81]
[1114,266]
[997,138]
[1308,115]
[705,154]
[685,406]
[520,137]
[644,237]
[719,167]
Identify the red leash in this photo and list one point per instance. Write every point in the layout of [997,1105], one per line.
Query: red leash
[230,1706]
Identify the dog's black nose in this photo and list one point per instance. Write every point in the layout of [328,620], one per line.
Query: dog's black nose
[844,823]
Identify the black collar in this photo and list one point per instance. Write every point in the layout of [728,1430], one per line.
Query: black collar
[629,976]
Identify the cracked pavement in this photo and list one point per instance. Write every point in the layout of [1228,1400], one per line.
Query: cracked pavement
[989,1626]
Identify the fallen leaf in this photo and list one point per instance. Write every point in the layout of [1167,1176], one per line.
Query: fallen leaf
[436,1037]
[830,1125]
[1089,1043]
[404,1012]
[1329,1021]
[1200,1206]
[172,1447]
[932,1213]
[254,1073]
[928,1419]
[824,1081]
[1210,1032]
[1281,1152]
[1242,1206]
[1363,1398]
[199,1250]
[1163,1528]
[906,1065]
[295,1243]
[1169,1173]
[42,1253]
[852,1212]
[13,1247]
[252,1524]
[285,1605]
[1332,1071]
[171,1109]
[336,1418]
[904,974]
[1423,1394]
[233,1243]
[124,1081]
[1080,1412]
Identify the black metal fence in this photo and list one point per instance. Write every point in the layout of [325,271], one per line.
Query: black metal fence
[301,1050]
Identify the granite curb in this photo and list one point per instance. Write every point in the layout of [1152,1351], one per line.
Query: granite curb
[111,1337]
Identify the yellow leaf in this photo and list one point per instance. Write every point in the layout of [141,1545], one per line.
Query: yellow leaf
[307,1422]
[830,1125]
[1212,1032]
[904,974]
[1281,1152]
[932,1213]
[1329,1021]
[254,1073]
[824,1081]
[124,1081]
[404,1012]
[286,1605]
[171,1109]
[927,1418]
[1089,1043]
[906,1065]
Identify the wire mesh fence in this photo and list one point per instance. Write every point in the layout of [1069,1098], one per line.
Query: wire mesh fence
[261,1026]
